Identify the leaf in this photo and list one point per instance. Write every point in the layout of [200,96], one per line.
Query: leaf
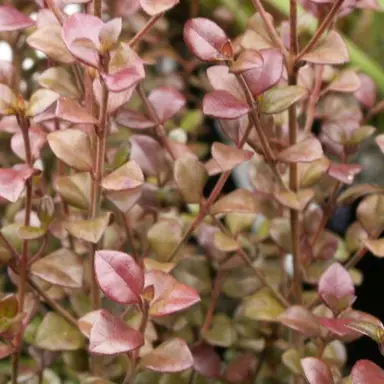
[62,267]
[134,120]
[206,361]
[58,79]
[380,142]
[262,306]
[240,201]
[41,100]
[229,157]
[127,177]
[6,350]
[297,201]
[364,371]
[366,93]
[329,50]
[88,230]
[223,105]
[305,151]
[154,7]
[301,320]
[205,39]
[31,233]
[225,243]
[169,295]
[190,176]
[12,182]
[48,40]
[247,60]
[163,237]
[346,81]
[119,276]
[81,36]
[37,140]
[241,367]
[344,172]
[372,330]
[336,288]
[370,213]
[109,33]
[222,332]
[170,356]
[73,147]
[261,79]
[75,189]
[56,334]
[127,78]
[356,191]
[376,246]
[167,102]
[12,19]
[279,99]
[110,335]
[70,110]
[8,100]
[291,359]
[86,322]
[316,371]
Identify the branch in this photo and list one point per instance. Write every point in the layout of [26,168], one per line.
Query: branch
[148,26]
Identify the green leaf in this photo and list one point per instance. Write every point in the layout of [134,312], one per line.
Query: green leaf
[56,334]
[279,99]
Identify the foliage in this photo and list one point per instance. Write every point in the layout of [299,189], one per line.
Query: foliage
[120,261]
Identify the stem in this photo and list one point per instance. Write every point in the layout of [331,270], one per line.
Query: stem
[129,233]
[148,25]
[56,11]
[97,8]
[321,29]
[23,263]
[269,26]
[253,114]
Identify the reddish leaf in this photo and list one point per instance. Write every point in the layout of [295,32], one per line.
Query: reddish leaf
[248,59]
[170,295]
[12,20]
[329,50]
[154,7]
[110,335]
[167,102]
[316,371]
[221,80]
[37,139]
[12,182]
[223,105]
[205,39]
[337,326]
[119,276]
[171,356]
[261,79]
[240,368]
[366,93]
[129,176]
[40,101]
[346,81]
[303,152]
[70,110]
[86,322]
[240,201]
[344,172]
[301,320]
[6,350]
[123,80]
[229,157]
[206,361]
[134,120]
[81,36]
[364,372]
[336,288]
[376,246]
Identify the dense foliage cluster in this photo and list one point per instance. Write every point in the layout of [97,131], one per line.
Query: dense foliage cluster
[124,258]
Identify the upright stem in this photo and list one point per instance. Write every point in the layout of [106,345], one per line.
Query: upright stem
[23,263]
[97,7]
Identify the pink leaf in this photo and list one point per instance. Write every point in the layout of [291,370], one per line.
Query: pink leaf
[81,36]
[223,105]
[6,350]
[305,151]
[366,94]
[366,372]
[37,139]
[110,335]
[206,361]
[336,288]
[205,39]
[123,80]
[154,7]
[337,326]
[70,110]
[86,322]
[12,20]
[12,182]
[316,371]
[261,79]
[221,80]
[247,60]
[229,157]
[169,295]
[119,276]
[344,172]
[171,356]
[134,120]
[167,102]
